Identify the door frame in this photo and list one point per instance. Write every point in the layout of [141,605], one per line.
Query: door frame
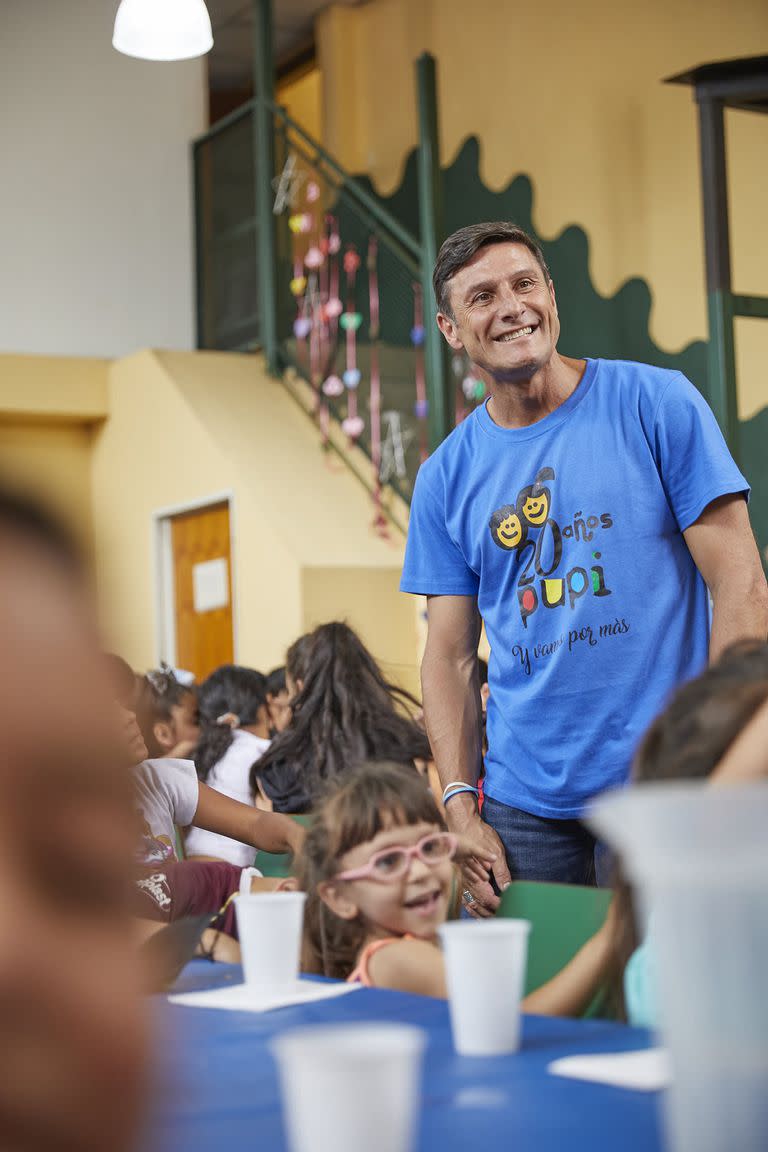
[163,574]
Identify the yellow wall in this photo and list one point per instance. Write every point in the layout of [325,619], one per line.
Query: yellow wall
[48,407]
[571,95]
[185,427]
[52,462]
[302,98]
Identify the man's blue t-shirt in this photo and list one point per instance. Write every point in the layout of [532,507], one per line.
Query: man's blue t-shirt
[569,533]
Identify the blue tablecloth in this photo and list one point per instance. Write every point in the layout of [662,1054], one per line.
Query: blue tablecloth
[221,1093]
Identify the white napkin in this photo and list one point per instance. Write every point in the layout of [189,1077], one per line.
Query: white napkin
[251,998]
[647,1070]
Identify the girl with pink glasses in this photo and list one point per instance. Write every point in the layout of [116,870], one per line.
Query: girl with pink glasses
[379,869]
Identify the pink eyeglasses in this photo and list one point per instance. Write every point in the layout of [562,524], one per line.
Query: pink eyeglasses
[392,863]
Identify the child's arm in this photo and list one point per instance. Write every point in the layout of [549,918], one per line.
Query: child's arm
[270,831]
[418,966]
[409,966]
[571,991]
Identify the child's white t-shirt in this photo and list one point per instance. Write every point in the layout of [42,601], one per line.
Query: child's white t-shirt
[231,777]
[167,793]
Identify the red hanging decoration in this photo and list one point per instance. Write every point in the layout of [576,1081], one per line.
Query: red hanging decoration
[379,520]
[421,408]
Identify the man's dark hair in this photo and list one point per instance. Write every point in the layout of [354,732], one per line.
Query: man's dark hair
[462,245]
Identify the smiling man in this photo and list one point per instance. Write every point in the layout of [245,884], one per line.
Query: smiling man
[586,513]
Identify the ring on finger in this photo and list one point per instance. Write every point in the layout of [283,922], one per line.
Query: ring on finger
[467,896]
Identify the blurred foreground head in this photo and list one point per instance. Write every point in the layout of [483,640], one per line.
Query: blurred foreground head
[72,1051]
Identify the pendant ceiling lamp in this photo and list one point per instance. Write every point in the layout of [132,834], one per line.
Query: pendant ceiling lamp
[163,29]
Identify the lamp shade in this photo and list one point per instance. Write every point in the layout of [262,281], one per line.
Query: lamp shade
[163,29]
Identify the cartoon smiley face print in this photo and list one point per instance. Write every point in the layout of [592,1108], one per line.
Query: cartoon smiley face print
[535,509]
[534,501]
[507,529]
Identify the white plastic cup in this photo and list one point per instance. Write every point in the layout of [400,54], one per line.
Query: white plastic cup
[698,857]
[485,964]
[269,925]
[351,1087]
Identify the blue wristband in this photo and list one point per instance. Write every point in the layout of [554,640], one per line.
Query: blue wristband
[457,790]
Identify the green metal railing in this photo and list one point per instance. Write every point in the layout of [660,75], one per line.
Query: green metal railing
[280,227]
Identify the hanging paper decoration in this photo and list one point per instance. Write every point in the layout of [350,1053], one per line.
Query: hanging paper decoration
[287,185]
[379,520]
[313,192]
[301,327]
[333,304]
[333,387]
[314,257]
[351,321]
[353,425]
[298,285]
[421,408]
[394,447]
[315,369]
[300,223]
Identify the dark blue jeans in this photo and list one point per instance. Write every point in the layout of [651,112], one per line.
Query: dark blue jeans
[538,848]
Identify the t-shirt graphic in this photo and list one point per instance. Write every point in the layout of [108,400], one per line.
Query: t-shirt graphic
[569,533]
[527,530]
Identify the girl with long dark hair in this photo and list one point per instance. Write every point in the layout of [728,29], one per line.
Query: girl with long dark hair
[345,713]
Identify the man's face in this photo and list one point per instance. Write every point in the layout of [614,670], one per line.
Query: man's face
[68,982]
[504,313]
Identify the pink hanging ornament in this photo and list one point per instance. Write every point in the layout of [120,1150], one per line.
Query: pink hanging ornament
[314,257]
[353,427]
[333,387]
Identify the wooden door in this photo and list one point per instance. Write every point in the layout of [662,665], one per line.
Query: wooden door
[202,578]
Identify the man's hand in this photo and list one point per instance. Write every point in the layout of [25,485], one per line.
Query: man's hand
[481,855]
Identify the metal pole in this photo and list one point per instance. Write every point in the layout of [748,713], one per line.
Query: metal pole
[439,397]
[721,356]
[264,170]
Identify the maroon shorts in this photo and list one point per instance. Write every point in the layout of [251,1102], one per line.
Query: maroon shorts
[172,889]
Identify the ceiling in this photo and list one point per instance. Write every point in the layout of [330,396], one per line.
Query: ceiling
[230,60]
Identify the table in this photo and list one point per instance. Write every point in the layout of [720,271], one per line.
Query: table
[222,1091]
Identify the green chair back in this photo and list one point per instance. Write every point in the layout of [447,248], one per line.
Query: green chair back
[563,917]
[278,864]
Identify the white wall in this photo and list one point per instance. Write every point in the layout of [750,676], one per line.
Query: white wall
[96,225]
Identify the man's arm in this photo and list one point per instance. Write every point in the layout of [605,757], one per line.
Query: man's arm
[270,831]
[724,551]
[452,713]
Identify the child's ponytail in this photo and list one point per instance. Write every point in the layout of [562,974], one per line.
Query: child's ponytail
[229,699]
